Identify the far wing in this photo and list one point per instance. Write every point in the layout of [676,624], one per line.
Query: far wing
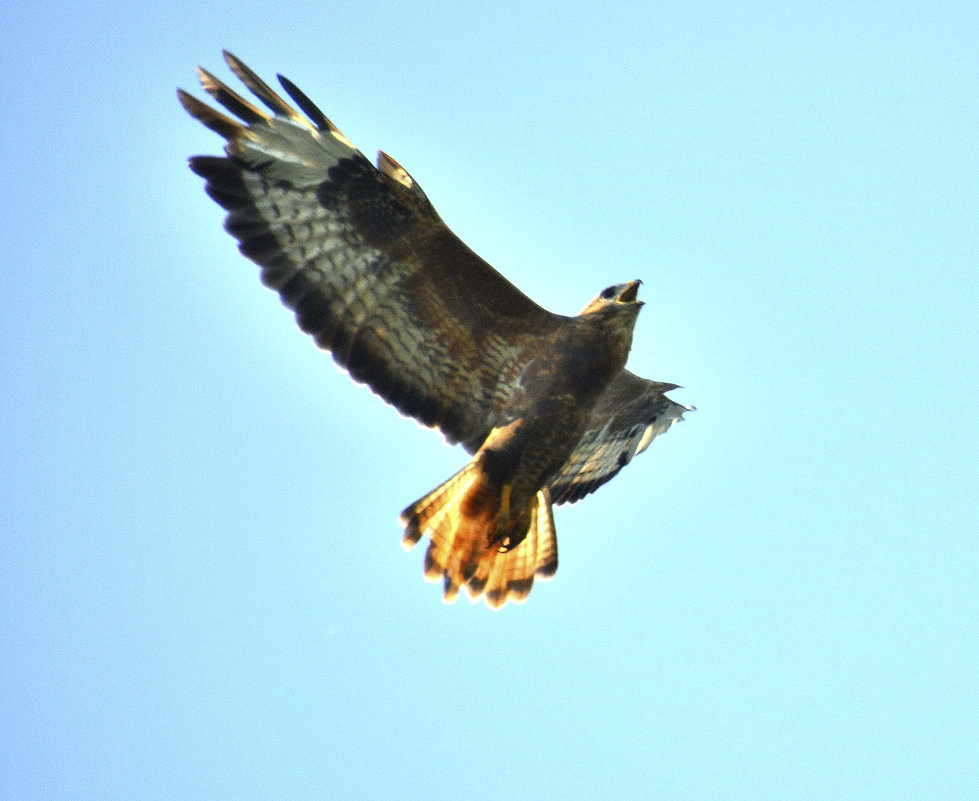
[630,413]
[370,269]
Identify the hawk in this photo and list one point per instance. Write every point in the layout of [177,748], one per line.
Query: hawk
[542,401]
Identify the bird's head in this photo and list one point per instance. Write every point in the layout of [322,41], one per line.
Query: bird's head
[618,297]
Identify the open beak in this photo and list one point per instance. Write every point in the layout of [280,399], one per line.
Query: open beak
[628,294]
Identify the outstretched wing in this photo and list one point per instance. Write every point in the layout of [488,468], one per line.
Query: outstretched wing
[627,417]
[370,269]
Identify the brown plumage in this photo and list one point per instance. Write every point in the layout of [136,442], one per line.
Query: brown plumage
[374,275]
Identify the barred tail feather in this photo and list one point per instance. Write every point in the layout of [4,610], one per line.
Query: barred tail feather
[462,517]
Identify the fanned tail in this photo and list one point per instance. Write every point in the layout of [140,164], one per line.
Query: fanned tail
[471,530]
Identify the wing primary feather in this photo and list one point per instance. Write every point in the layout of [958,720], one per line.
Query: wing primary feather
[262,90]
[215,120]
[230,99]
[308,106]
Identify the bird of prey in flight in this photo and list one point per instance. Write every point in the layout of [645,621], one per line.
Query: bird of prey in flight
[542,401]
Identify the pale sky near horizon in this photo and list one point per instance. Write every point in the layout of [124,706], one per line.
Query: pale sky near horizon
[202,591]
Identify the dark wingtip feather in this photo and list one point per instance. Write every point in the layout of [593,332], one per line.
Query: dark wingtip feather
[311,110]
[224,126]
[261,90]
[230,99]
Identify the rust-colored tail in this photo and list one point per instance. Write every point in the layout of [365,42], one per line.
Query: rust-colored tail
[470,525]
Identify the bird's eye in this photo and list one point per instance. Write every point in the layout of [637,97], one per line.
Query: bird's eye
[609,293]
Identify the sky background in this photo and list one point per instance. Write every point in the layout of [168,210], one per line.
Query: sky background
[202,591]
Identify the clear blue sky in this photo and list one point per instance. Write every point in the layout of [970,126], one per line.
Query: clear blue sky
[202,591]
